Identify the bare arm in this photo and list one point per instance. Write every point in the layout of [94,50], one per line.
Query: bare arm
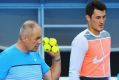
[54,72]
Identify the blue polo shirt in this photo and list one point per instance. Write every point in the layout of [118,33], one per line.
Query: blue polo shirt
[17,65]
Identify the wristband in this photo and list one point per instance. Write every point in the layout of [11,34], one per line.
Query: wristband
[57,60]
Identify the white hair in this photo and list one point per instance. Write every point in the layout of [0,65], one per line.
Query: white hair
[27,29]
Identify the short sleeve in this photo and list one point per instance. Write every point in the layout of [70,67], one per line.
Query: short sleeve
[44,66]
[4,65]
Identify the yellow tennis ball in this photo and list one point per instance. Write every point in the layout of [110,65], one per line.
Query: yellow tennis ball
[55,49]
[52,41]
[45,40]
[47,47]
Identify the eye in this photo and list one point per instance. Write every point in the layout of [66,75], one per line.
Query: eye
[38,38]
[98,17]
[104,16]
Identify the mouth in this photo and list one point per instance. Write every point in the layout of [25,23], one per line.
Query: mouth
[36,46]
[101,26]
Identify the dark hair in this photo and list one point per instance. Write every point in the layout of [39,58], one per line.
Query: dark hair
[94,4]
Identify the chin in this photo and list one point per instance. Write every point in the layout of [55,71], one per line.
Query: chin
[101,30]
[33,51]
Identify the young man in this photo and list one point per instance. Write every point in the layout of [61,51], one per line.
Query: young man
[21,61]
[90,53]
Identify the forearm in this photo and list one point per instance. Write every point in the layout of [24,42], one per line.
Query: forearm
[56,68]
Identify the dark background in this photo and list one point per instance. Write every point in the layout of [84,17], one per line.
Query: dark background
[65,56]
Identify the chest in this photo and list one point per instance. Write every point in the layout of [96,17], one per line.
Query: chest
[99,47]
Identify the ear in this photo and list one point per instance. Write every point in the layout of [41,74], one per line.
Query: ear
[87,18]
[24,38]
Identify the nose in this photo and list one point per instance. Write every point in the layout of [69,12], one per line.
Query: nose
[39,41]
[102,20]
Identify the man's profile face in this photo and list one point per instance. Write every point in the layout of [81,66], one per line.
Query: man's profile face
[35,39]
[97,21]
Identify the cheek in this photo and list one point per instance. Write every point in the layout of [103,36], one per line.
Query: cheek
[34,43]
[95,22]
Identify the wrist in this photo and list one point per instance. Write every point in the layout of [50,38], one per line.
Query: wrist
[57,59]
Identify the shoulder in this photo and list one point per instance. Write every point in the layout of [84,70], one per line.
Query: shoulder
[105,33]
[8,52]
[80,37]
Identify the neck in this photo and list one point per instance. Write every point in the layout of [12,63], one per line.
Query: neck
[95,32]
[20,45]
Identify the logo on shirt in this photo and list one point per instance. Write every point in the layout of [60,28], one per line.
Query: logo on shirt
[96,60]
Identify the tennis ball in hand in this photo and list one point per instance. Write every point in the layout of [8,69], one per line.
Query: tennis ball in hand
[46,47]
[55,49]
[52,41]
[45,40]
